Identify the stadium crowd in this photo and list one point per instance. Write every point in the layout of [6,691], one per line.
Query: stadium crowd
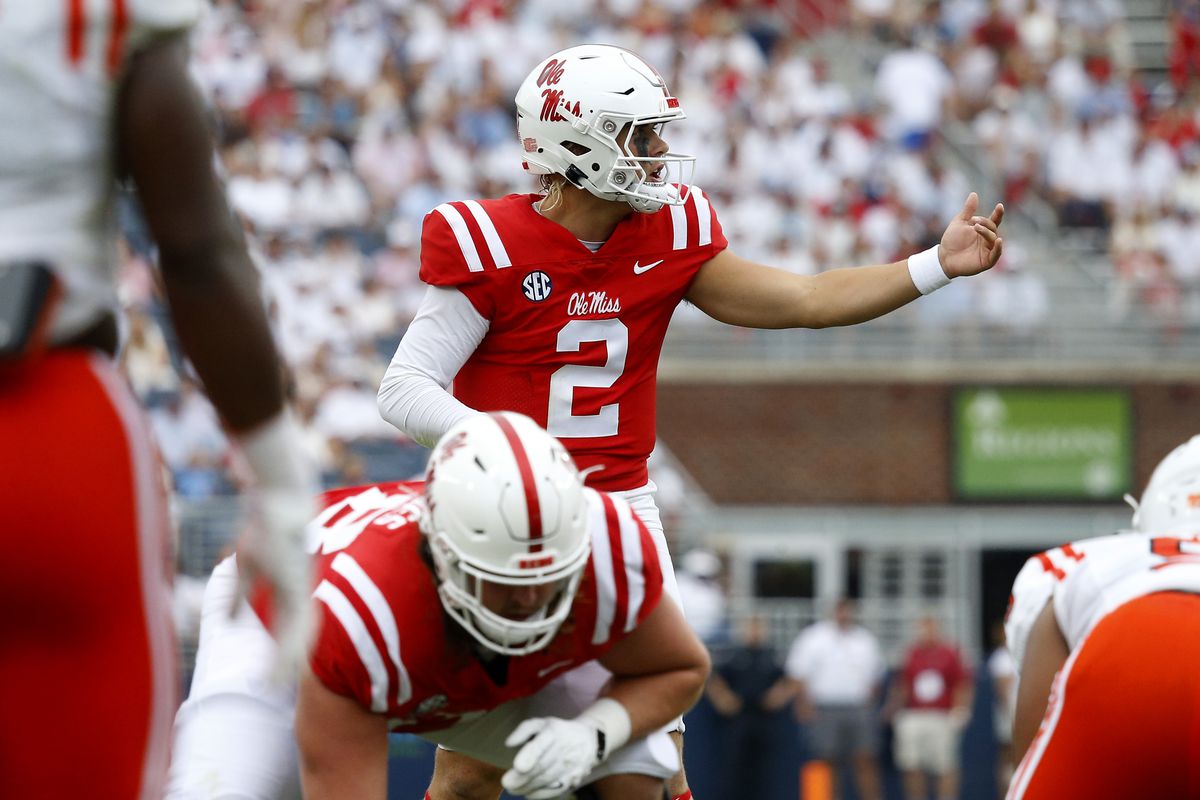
[342,123]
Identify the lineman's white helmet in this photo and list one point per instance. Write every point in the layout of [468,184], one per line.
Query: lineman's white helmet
[583,98]
[1171,502]
[506,506]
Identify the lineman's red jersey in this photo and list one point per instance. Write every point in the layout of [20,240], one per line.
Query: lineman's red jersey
[574,336]
[385,642]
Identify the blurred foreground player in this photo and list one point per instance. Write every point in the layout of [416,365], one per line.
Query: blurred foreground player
[90,91]
[1106,633]
[455,610]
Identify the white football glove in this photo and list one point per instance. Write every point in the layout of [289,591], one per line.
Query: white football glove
[272,559]
[272,556]
[555,756]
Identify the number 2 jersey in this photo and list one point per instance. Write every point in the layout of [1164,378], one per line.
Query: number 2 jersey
[1087,580]
[385,641]
[61,65]
[574,336]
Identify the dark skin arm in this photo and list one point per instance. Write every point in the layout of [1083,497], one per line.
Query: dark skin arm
[165,146]
[1045,655]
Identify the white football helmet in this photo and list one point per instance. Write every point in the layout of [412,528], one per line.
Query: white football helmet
[581,99]
[506,506]
[1171,502]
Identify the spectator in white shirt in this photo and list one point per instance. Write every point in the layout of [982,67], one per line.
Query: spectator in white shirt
[835,667]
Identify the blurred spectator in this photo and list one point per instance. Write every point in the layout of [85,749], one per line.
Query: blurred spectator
[748,689]
[930,702]
[701,594]
[834,668]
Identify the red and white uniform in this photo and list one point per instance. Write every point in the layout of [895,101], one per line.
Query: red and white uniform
[385,642]
[1127,702]
[573,336]
[384,638]
[84,594]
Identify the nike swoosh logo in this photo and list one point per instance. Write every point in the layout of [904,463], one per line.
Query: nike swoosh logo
[638,269]
[553,667]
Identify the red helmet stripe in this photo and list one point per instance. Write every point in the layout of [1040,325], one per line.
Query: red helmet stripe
[526,469]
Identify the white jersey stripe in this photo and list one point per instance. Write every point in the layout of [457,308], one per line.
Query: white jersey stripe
[364,645]
[465,243]
[703,216]
[152,545]
[679,225]
[345,565]
[1033,756]
[602,566]
[490,235]
[635,568]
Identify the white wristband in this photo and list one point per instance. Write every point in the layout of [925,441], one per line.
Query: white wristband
[273,452]
[926,270]
[610,717]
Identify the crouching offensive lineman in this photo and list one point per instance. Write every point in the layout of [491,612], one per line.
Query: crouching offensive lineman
[472,611]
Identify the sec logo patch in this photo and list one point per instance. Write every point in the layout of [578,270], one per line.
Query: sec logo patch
[536,286]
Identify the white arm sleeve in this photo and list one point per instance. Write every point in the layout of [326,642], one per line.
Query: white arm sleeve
[413,395]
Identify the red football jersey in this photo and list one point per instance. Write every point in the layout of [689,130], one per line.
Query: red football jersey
[574,336]
[385,641]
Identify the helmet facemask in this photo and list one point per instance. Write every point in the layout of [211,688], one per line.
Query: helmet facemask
[461,591]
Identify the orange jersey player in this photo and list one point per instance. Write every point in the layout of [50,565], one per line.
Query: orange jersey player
[1106,635]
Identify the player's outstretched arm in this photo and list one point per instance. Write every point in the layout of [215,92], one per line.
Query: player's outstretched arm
[343,746]
[740,292]
[212,289]
[1045,654]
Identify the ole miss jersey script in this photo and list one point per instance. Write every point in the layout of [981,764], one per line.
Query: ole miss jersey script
[384,639]
[574,336]
[1088,579]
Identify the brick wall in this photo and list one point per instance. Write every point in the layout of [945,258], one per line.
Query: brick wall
[838,443]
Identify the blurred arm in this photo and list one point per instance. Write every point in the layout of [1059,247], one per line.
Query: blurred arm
[211,285]
[1045,654]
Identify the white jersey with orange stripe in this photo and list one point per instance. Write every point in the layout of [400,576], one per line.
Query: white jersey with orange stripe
[384,640]
[1088,579]
[61,62]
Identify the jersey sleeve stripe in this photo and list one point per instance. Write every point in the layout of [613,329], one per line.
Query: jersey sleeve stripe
[490,235]
[620,554]
[76,27]
[635,567]
[703,216]
[602,567]
[347,567]
[679,226]
[116,36]
[462,234]
[364,645]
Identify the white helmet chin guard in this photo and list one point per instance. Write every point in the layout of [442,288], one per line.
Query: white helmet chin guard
[1171,502]
[573,108]
[506,506]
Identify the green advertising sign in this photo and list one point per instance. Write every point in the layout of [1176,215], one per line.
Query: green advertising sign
[1042,444]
